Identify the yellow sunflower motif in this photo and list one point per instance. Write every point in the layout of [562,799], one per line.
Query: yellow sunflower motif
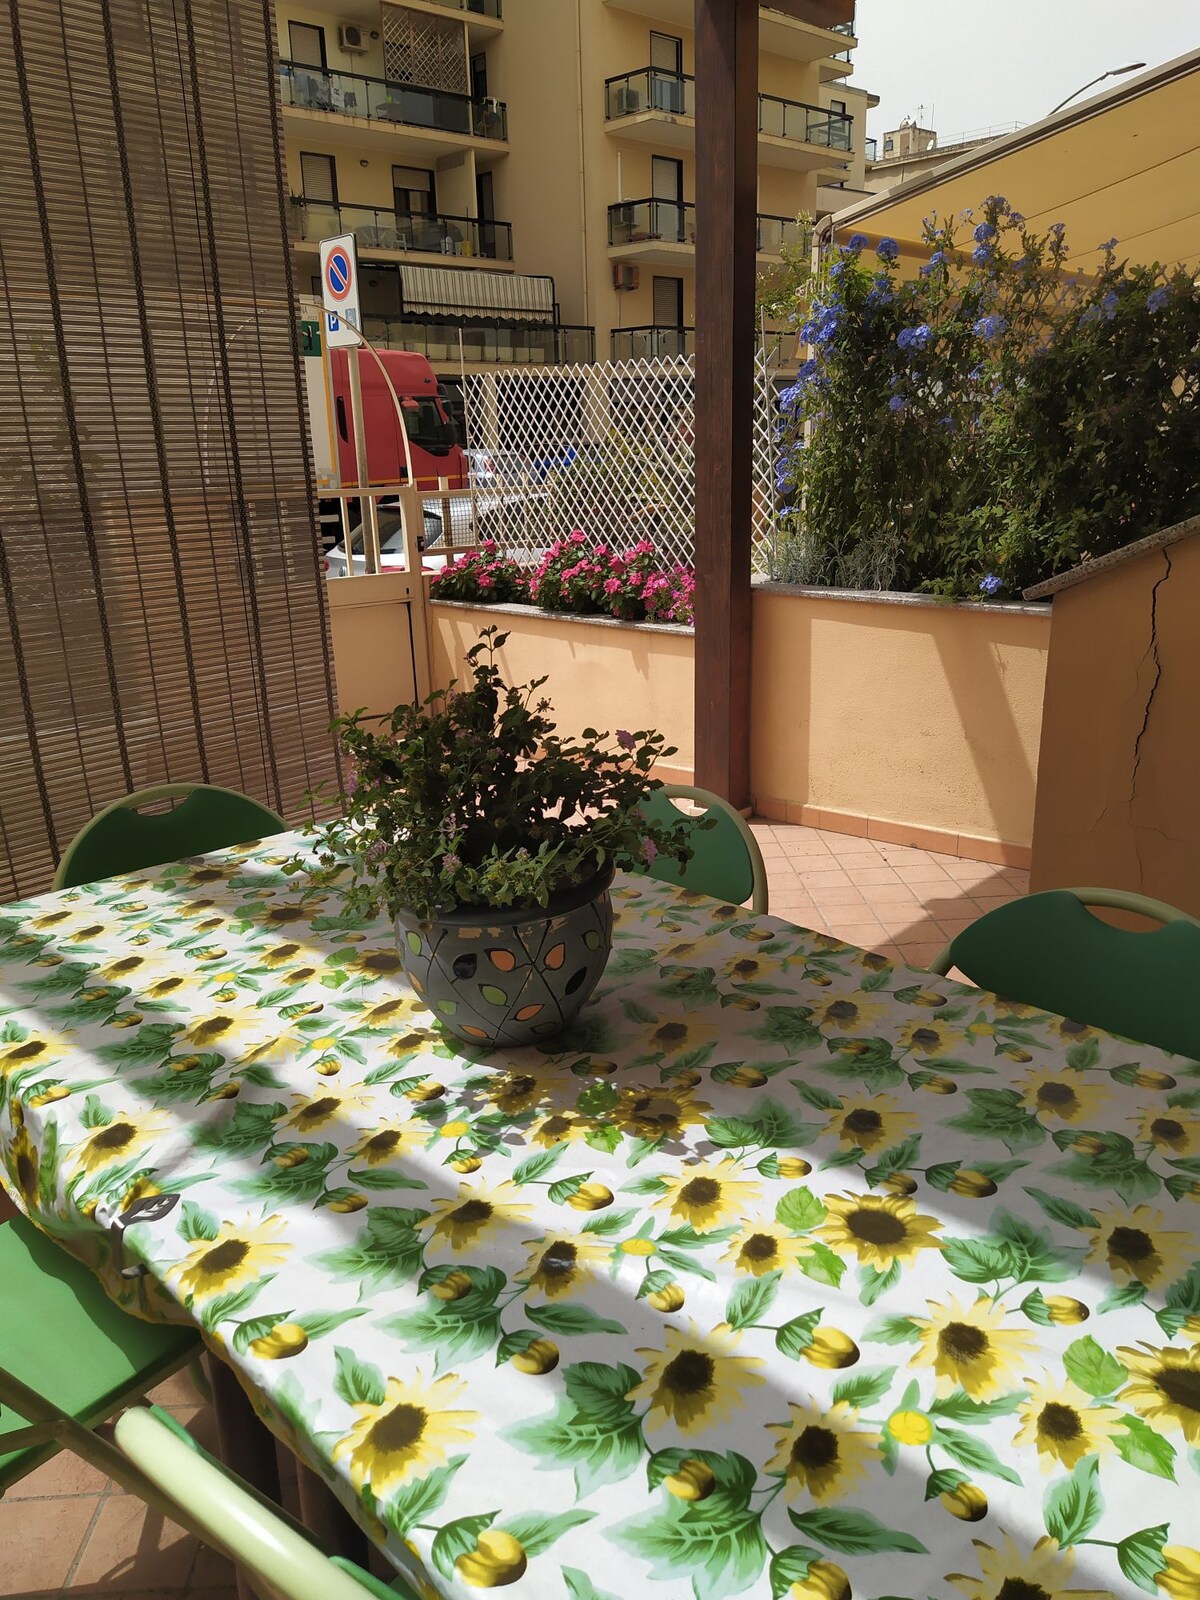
[871,1121]
[514,1093]
[709,1193]
[475,1211]
[564,1262]
[658,1111]
[560,1127]
[880,1229]
[387,1141]
[751,969]
[38,1050]
[1060,1096]
[119,1139]
[969,1347]
[1013,1573]
[821,1452]
[1180,1578]
[23,1164]
[171,987]
[697,1380]
[1171,1129]
[377,963]
[763,1247]
[409,1433]
[281,955]
[232,1029]
[308,1115]
[931,1037]
[849,1013]
[240,1252]
[1165,1387]
[1068,1030]
[1136,1244]
[682,949]
[1064,1425]
[676,1035]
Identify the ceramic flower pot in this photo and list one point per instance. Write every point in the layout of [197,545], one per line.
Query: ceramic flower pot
[513,976]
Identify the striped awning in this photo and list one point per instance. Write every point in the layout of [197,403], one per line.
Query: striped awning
[462,291]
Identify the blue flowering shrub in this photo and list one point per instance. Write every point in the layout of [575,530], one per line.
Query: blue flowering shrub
[991,421]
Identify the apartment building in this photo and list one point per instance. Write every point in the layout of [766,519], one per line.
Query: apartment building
[520,174]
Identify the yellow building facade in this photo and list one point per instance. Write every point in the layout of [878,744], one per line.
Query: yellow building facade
[520,174]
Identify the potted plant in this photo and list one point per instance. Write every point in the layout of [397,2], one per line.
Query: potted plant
[491,841]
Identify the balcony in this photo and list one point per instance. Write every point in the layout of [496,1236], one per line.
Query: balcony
[778,34]
[428,121]
[664,231]
[645,344]
[871,149]
[659,108]
[383,233]
[447,344]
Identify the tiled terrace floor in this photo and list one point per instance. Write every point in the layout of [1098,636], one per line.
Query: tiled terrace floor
[67,1531]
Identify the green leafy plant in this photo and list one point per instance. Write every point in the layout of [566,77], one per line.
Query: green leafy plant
[473,799]
[992,421]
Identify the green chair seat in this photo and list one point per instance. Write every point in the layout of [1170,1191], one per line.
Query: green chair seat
[727,863]
[1047,950]
[123,838]
[62,1337]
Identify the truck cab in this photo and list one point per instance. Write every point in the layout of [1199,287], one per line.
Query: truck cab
[432,438]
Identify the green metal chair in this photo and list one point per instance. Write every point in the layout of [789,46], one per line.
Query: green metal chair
[727,863]
[1047,950]
[274,1550]
[61,1335]
[123,838]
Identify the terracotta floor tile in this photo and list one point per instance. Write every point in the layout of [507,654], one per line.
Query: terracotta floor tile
[867,935]
[953,926]
[899,893]
[876,874]
[38,1542]
[132,1549]
[941,905]
[989,902]
[64,1474]
[920,955]
[920,872]
[825,877]
[837,894]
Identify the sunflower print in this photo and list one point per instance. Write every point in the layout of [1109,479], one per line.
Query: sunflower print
[308,1115]
[658,1111]
[709,1194]
[376,963]
[879,1229]
[409,1433]
[1165,1388]
[125,1135]
[240,1252]
[24,1164]
[1137,1244]
[931,1037]
[559,1127]
[871,1122]
[1013,1573]
[847,1013]
[1063,1423]
[515,1093]
[698,1379]
[475,1212]
[388,1141]
[1061,1096]
[1172,1131]
[762,1247]
[676,1036]
[821,1453]
[564,1262]
[751,969]
[232,1029]
[38,1050]
[969,1348]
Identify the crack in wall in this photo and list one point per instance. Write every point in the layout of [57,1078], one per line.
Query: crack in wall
[1151,649]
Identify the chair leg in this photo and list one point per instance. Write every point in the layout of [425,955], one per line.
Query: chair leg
[196,1372]
[327,1520]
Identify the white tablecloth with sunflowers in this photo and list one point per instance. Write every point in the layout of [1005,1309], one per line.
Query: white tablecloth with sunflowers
[792,1273]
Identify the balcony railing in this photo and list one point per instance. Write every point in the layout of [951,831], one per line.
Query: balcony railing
[481,8]
[350,94]
[644,344]
[872,149]
[554,344]
[842,27]
[674,222]
[375,229]
[793,119]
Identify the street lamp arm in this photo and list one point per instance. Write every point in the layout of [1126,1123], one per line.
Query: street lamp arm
[1114,72]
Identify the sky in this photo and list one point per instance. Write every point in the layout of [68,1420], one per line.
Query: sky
[963,66]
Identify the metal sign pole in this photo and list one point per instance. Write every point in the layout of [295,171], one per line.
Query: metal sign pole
[369,510]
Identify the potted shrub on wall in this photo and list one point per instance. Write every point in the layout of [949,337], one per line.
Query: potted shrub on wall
[492,841]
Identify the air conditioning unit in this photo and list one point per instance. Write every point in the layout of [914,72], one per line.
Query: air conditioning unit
[351,39]
[625,275]
[628,101]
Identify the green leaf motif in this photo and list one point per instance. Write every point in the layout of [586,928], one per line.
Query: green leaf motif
[794,1337]
[537,1533]
[195,1223]
[1091,1368]
[534,1166]
[232,1303]
[872,1284]
[822,1264]
[944,1481]
[722,1548]
[1116,1165]
[593,1428]
[571,1320]
[734,1474]
[791,1566]
[581,1587]
[94,1114]
[256,1328]
[317,1324]
[1035,1308]
[895,1159]
[562,1190]
[788,1026]
[387,1251]
[800,1209]
[813,1095]
[1000,1114]
[357,1382]
[381,1178]
[606,1222]
[1073,1507]
[1145,1449]
[974,1454]
[48,1166]
[458,1539]
[415,1501]
[892,1330]
[1140,1557]
[863,1388]
[729,1132]
[751,1300]
[1059,1209]
[959,1407]
[251,1127]
[515,1344]
[852,1532]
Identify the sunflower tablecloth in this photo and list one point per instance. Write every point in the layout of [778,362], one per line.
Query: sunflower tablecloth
[791,1272]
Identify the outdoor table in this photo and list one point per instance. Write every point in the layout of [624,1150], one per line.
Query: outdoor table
[790,1271]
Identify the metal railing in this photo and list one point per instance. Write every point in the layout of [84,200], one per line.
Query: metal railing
[842,27]
[794,119]
[649,343]
[481,8]
[674,222]
[445,342]
[775,232]
[872,149]
[351,94]
[378,229]
[650,89]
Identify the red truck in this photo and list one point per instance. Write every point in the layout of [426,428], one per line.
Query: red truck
[432,439]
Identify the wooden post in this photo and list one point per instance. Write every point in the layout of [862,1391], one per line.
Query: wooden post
[726,173]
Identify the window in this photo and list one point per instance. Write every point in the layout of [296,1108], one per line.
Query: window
[838,107]
[307,44]
[414,191]
[318,178]
[668,302]
[666,52]
[666,178]
[479,84]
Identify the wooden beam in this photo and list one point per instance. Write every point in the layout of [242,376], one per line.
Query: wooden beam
[726,182]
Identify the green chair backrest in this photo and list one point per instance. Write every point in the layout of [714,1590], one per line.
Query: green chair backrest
[1047,950]
[124,838]
[274,1550]
[727,863]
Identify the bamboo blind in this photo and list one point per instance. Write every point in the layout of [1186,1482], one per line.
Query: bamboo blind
[160,571]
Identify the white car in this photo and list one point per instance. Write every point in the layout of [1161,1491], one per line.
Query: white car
[473,518]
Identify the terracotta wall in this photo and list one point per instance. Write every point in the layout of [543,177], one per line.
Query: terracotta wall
[1119,779]
[373,656]
[904,719]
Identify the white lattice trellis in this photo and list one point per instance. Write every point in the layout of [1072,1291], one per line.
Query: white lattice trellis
[424,50]
[607,448]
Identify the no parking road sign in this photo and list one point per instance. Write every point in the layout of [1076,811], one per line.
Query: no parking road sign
[339,290]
